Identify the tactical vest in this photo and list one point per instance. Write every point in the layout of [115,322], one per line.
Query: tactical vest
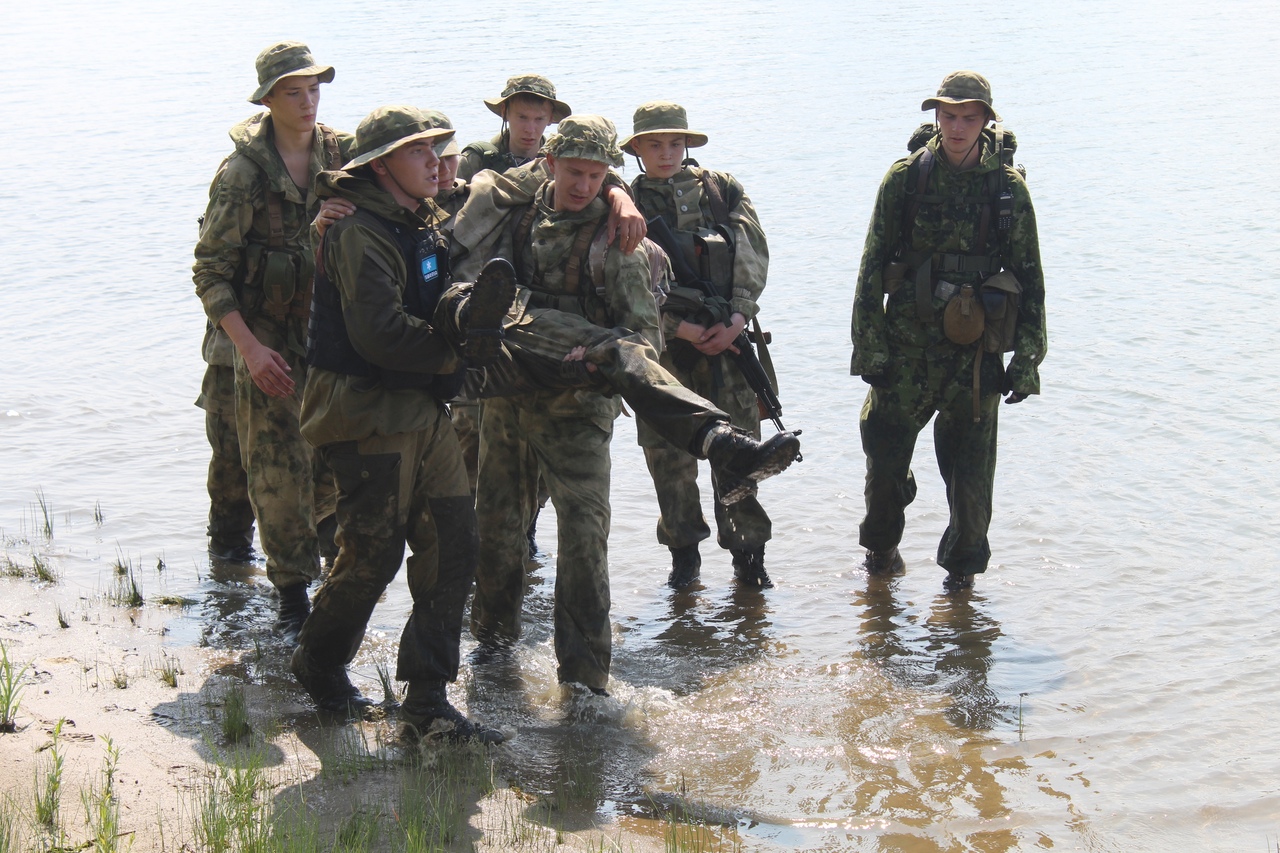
[710,251]
[426,261]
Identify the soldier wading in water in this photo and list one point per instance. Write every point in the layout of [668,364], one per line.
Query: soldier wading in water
[950,280]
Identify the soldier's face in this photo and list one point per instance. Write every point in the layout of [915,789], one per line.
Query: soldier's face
[577,181]
[448,170]
[293,103]
[527,118]
[661,153]
[410,173]
[961,125]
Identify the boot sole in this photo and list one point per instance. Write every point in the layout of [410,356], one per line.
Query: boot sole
[781,451]
[491,298]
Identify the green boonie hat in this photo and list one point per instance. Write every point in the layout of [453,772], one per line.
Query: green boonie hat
[662,117]
[960,87]
[529,84]
[286,59]
[585,138]
[387,128]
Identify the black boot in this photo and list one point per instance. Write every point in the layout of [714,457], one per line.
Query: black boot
[295,607]
[956,581]
[327,684]
[232,551]
[686,566]
[884,563]
[426,712]
[482,316]
[748,567]
[740,461]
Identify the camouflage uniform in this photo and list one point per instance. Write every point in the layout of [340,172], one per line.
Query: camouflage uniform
[287,490]
[496,153]
[916,371]
[230,513]
[683,203]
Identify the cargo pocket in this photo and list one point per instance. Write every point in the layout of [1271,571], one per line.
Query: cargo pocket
[368,489]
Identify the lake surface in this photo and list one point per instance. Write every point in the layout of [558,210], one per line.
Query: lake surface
[1112,682]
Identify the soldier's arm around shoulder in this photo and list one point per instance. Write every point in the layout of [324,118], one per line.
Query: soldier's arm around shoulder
[867,326]
[751,250]
[1022,258]
[221,255]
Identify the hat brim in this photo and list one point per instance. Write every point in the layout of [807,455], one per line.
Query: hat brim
[932,103]
[692,138]
[559,109]
[442,133]
[324,72]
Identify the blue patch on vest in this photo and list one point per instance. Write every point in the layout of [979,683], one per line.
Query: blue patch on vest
[430,267]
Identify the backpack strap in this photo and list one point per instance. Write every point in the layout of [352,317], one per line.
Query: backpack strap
[719,209]
[578,259]
[331,149]
[520,240]
[923,160]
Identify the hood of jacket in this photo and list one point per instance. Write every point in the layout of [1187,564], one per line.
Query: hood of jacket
[362,191]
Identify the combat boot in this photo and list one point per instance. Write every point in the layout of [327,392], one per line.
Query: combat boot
[231,552]
[482,314]
[748,567]
[327,684]
[739,461]
[686,565]
[295,607]
[426,712]
[957,580]
[884,563]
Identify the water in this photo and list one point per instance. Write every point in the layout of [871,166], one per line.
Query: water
[1110,685]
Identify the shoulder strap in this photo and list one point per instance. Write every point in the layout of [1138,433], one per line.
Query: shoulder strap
[275,220]
[719,210]
[331,149]
[484,149]
[922,161]
[520,239]
[578,255]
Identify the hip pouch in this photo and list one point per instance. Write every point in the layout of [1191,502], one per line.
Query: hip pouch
[279,281]
[1001,298]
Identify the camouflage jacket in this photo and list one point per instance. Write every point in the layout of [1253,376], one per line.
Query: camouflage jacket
[881,332]
[366,265]
[451,199]
[682,201]
[494,154]
[234,238]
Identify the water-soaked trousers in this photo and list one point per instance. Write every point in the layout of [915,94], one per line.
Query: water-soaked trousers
[891,419]
[392,490]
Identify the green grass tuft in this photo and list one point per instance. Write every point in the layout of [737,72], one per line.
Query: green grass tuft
[10,690]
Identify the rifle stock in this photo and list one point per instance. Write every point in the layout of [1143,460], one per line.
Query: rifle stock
[745,358]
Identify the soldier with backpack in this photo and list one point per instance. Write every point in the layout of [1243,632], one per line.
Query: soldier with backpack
[950,281]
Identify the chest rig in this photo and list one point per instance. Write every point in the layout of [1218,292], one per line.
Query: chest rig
[582,293]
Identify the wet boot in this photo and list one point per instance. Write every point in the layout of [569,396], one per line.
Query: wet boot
[884,563]
[956,581]
[231,552]
[327,684]
[748,568]
[426,713]
[482,314]
[740,461]
[295,607]
[686,566]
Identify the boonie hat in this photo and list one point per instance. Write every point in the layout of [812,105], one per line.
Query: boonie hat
[452,149]
[529,84]
[388,128]
[585,138]
[662,117]
[286,59]
[961,87]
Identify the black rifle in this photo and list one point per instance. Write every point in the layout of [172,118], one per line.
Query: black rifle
[716,310]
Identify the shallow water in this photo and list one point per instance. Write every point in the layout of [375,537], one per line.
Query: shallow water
[1111,683]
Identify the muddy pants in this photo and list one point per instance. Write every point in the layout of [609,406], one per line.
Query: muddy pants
[230,513]
[287,488]
[966,451]
[392,490]
[743,525]
[519,439]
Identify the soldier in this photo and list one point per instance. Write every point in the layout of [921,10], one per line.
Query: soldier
[527,105]
[598,310]
[253,274]
[374,407]
[704,209]
[952,241]
[230,512]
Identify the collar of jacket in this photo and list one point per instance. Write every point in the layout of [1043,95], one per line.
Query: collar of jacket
[254,138]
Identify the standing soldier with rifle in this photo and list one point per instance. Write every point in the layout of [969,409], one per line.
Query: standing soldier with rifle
[708,227]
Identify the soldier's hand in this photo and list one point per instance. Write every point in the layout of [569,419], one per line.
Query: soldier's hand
[269,370]
[331,210]
[1015,397]
[876,380]
[626,223]
[720,337]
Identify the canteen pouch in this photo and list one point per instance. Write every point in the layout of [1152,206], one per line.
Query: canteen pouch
[963,319]
[1001,298]
[279,282]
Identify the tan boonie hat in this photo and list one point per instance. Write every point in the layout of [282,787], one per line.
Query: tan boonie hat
[960,87]
[286,59]
[387,128]
[585,138]
[662,117]
[529,84]
[452,149]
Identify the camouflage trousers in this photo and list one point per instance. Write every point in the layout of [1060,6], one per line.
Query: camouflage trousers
[891,419]
[572,453]
[742,525]
[392,490]
[230,513]
[289,487]
[465,415]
